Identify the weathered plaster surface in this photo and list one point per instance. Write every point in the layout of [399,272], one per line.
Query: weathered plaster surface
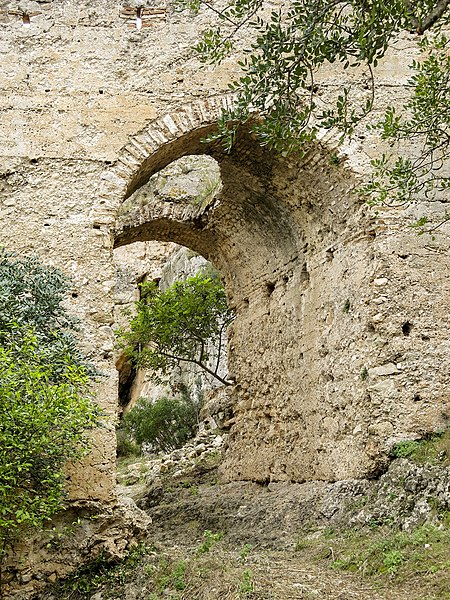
[91,108]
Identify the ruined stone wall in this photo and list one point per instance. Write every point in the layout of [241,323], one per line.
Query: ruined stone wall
[75,85]
[340,343]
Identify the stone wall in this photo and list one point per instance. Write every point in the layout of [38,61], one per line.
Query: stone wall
[340,343]
[324,350]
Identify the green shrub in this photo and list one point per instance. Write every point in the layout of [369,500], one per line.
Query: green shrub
[126,446]
[45,403]
[42,425]
[404,449]
[165,424]
[32,298]
[179,324]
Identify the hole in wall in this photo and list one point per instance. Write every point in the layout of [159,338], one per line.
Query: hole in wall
[270,287]
[127,375]
[304,275]
[406,328]
[191,180]
[163,264]
[138,22]
[417,398]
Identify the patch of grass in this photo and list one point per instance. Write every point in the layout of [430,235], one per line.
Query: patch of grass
[171,578]
[246,585]
[210,539]
[247,548]
[302,544]
[433,450]
[178,576]
[395,557]
[200,576]
[404,449]
[190,486]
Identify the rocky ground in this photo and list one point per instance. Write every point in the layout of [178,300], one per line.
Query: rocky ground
[387,538]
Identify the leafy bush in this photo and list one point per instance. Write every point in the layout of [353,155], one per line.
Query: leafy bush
[178,325]
[165,424]
[126,446]
[42,424]
[279,81]
[404,449]
[45,404]
[31,299]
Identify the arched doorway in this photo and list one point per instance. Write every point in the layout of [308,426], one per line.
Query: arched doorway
[278,232]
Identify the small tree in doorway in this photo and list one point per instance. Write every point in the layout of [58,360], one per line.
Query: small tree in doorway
[178,325]
[165,424]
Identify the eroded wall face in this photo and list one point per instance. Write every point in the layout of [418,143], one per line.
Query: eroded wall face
[302,341]
[340,343]
[334,312]
[45,212]
[340,351]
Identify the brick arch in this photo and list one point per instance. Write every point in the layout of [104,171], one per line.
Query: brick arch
[162,141]
[279,232]
[176,134]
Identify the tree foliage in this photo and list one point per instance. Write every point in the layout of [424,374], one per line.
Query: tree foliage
[165,424]
[180,324]
[32,298]
[45,403]
[279,79]
[425,122]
